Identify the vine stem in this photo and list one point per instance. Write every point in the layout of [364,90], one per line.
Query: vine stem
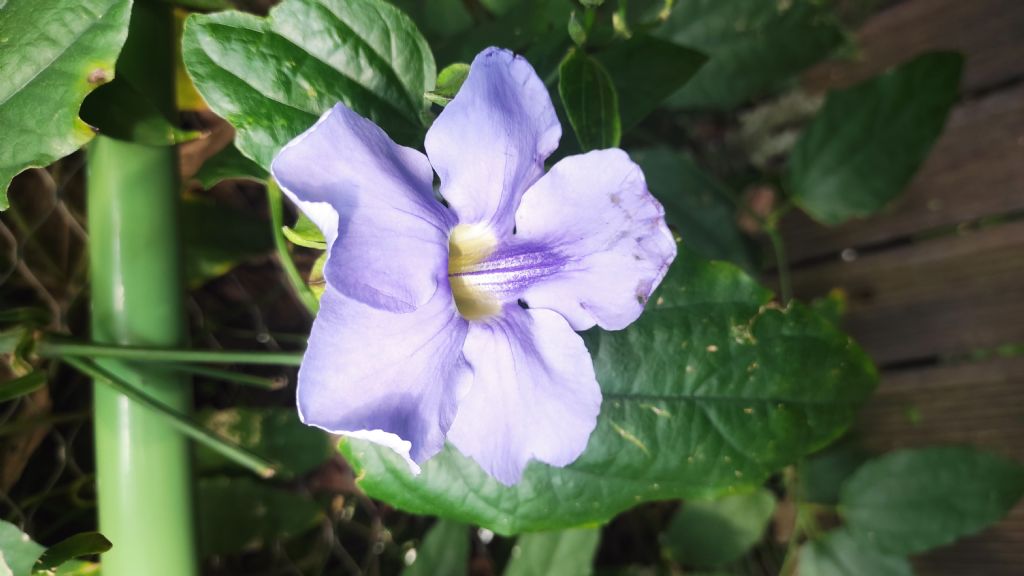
[302,291]
[781,264]
[231,451]
[72,349]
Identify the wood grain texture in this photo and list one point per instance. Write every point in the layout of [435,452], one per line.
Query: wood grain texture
[988,32]
[943,296]
[981,404]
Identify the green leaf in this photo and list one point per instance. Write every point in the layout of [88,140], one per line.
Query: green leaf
[83,544]
[565,553]
[444,550]
[18,552]
[913,500]
[448,83]
[645,71]
[317,283]
[275,433]
[753,46]
[700,209]
[218,238]
[867,142]
[118,110]
[52,53]
[305,233]
[19,387]
[241,513]
[229,164]
[590,101]
[839,554]
[273,77]
[717,532]
[709,392]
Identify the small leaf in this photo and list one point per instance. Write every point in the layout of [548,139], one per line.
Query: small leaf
[576,30]
[18,552]
[317,283]
[228,164]
[22,386]
[121,111]
[449,81]
[914,500]
[77,568]
[272,77]
[565,553]
[590,101]
[645,71]
[54,52]
[711,391]
[305,233]
[275,433]
[241,513]
[839,554]
[83,544]
[867,142]
[753,46]
[717,532]
[444,550]
[218,238]
[700,208]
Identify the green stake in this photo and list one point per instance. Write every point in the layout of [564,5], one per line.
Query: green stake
[143,465]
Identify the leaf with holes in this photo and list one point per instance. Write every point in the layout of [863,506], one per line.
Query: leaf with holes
[273,77]
[52,53]
[710,392]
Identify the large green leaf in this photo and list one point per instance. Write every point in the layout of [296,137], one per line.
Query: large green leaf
[711,391]
[866,143]
[243,513]
[645,71]
[564,553]
[700,208]
[52,53]
[839,554]
[914,500]
[275,433]
[590,101]
[717,532]
[752,45]
[273,77]
[18,552]
[445,550]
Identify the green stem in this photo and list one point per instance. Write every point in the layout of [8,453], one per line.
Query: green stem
[66,349]
[302,291]
[228,376]
[132,391]
[781,262]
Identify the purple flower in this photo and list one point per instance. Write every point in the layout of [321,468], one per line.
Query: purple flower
[457,320]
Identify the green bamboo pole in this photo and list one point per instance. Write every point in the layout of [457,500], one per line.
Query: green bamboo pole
[143,464]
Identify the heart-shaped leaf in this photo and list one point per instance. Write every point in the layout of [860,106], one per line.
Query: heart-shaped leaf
[273,77]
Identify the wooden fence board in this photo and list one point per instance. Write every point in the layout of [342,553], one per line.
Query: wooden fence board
[988,32]
[938,297]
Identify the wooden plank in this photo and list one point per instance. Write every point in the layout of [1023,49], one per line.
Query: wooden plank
[988,32]
[976,170]
[938,297]
[981,404]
